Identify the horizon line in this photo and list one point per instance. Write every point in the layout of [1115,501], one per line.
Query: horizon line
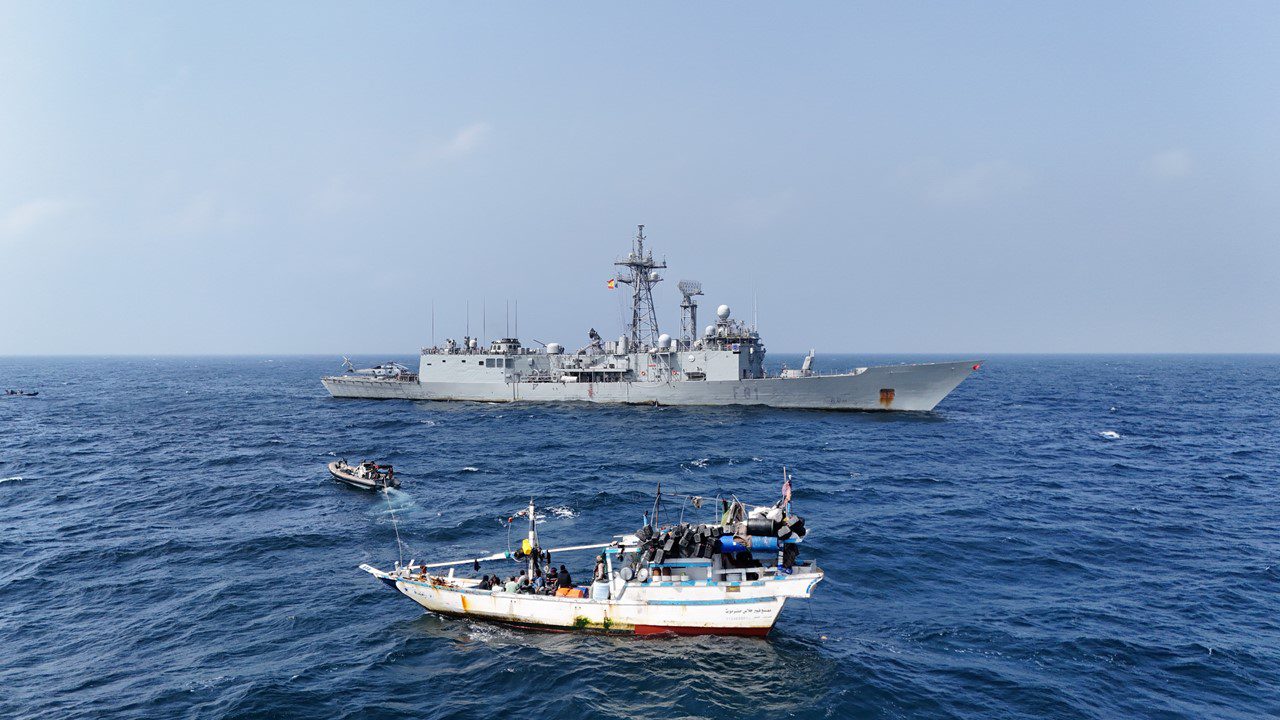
[972,355]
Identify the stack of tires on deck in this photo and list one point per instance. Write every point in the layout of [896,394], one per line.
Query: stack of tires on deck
[764,530]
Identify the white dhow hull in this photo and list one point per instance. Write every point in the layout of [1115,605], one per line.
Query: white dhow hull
[675,608]
[888,387]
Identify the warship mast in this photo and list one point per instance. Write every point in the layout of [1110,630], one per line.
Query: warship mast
[689,289]
[641,275]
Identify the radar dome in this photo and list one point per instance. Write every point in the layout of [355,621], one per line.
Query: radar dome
[722,312]
[653,276]
[664,341]
[711,330]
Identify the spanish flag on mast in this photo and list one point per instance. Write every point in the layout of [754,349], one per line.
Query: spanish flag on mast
[612,283]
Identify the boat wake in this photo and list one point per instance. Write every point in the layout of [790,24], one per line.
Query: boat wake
[699,463]
[397,500]
[488,633]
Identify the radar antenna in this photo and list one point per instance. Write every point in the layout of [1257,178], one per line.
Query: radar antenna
[641,274]
[689,309]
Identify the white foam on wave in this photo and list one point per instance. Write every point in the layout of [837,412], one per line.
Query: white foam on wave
[562,512]
[15,478]
[397,501]
[487,633]
[700,463]
[470,469]
[1110,434]
[428,423]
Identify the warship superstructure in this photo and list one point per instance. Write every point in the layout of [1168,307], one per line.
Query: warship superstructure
[723,364]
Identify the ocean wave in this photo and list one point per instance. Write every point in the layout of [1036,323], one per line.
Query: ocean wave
[979,563]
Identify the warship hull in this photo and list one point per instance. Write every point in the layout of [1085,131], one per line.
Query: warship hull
[885,388]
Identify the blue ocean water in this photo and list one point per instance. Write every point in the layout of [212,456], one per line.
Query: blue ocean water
[1064,537]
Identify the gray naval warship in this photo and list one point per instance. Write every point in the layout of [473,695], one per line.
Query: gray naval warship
[721,365]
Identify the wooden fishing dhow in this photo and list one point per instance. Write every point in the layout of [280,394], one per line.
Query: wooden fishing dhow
[729,577]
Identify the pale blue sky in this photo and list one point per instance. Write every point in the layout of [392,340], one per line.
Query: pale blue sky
[947,178]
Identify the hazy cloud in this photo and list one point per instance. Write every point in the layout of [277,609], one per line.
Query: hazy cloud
[337,195]
[1171,164]
[203,213]
[759,212]
[29,215]
[975,184]
[465,141]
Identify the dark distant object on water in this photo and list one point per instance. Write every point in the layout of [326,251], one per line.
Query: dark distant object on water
[368,475]
[21,393]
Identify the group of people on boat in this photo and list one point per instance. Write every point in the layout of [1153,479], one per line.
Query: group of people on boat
[549,583]
[373,471]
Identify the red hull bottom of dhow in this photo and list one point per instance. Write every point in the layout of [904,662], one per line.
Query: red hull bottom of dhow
[681,630]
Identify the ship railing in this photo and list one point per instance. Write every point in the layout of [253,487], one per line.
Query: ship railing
[815,373]
[402,377]
[748,574]
[479,351]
